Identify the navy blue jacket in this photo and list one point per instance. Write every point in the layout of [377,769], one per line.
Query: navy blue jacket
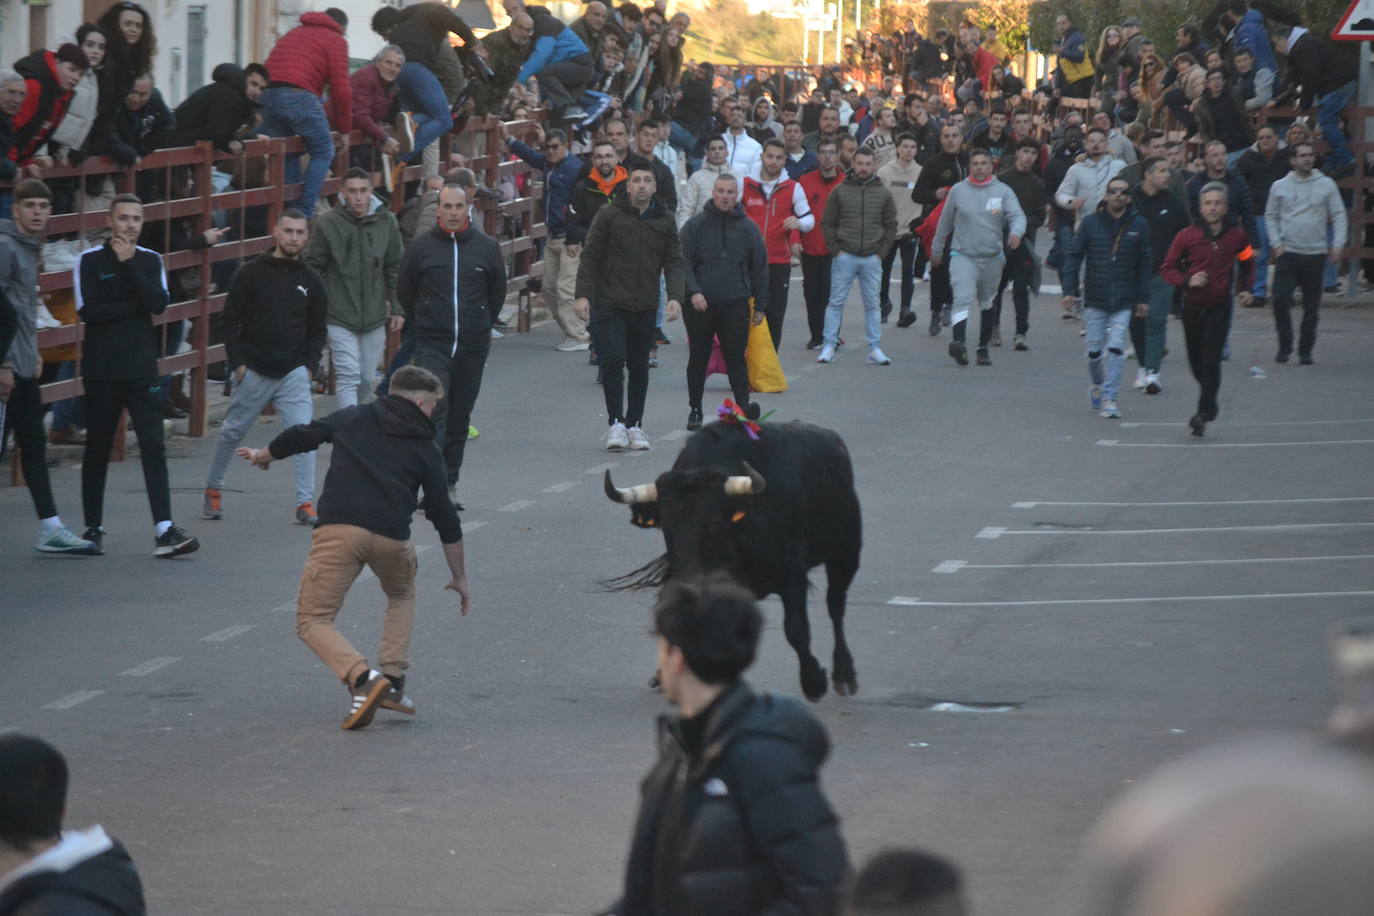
[796,168]
[558,185]
[1119,260]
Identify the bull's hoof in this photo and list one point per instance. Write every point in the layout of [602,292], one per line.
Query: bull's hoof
[814,684]
[846,686]
[655,683]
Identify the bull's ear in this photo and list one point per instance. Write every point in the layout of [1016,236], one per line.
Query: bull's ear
[644,515]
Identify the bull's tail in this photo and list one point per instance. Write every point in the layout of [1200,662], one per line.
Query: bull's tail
[651,575]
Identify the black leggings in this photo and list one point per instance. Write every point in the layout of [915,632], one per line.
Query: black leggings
[24,417]
[106,399]
[1205,331]
[906,247]
[624,338]
[730,322]
[816,288]
[779,278]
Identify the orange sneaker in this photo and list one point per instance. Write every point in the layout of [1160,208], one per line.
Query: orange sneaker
[211,508]
[305,513]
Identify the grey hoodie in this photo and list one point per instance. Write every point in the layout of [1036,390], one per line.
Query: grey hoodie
[978,217]
[19,282]
[1298,211]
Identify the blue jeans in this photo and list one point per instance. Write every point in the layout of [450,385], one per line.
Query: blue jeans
[423,96]
[1063,235]
[292,112]
[844,269]
[1329,118]
[1148,334]
[1261,238]
[1106,331]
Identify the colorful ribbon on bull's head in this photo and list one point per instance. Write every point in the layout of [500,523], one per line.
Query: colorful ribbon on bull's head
[730,412]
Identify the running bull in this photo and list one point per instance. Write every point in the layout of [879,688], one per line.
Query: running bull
[766,511]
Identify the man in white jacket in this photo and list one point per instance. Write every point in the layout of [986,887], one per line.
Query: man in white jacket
[1085,184]
[697,191]
[1306,223]
[742,152]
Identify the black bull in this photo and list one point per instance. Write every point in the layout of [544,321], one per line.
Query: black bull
[765,511]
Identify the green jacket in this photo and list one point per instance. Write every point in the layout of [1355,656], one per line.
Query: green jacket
[358,259]
[860,218]
[505,58]
[624,254]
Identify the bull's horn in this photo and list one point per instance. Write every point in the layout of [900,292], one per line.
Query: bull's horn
[743,486]
[644,493]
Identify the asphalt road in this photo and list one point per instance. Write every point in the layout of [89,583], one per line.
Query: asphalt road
[1130,593]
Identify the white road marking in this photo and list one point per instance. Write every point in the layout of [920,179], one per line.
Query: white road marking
[602,468]
[74,699]
[1113,443]
[960,564]
[560,487]
[517,505]
[991,534]
[228,633]
[286,606]
[914,602]
[1003,531]
[674,435]
[148,667]
[1265,423]
[470,527]
[1200,502]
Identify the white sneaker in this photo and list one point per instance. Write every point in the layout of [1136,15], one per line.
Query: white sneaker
[45,319]
[1141,378]
[617,437]
[827,354]
[638,441]
[1152,385]
[876,357]
[496,335]
[572,345]
[1109,411]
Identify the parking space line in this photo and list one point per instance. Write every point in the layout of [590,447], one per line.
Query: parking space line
[1129,425]
[953,566]
[470,527]
[602,468]
[148,667]
[1116,443]
[1195,502]
[994,533]
[73,699]
[228,633]
[674,435]
[905,601]
[517,505]
[560,487]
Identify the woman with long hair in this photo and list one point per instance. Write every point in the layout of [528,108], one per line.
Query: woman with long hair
[1108,63]
[129,53]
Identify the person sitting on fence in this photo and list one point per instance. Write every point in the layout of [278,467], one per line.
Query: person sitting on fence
[374,94]
[224,111]
[51,78]
[559,59]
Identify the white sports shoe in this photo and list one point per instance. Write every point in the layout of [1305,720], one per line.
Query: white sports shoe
[1142,376]
[827,354]
[617,437]
[1152,385]
[638,441]
[876,357]
[1109,411]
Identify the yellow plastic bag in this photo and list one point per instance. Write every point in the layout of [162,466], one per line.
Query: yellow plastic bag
[765,371]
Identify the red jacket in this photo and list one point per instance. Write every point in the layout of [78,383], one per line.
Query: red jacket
[45,105]
[768,213]
[372,100]
[1194,250]
[817,191]
[983,62]
[312,56]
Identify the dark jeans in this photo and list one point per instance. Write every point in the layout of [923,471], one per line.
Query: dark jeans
[563,82]
[779,279]
[1304,272]
[106,399]
[1205,330]
[624,338]
[1020,266]
[906,247]
[816,290]
[461,377]
[24,417]
[1177,102]
[404,353]
[730,322]
[941,291]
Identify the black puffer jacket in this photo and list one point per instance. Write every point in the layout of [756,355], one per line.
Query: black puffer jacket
[452,287]
[724,257]
[732,820]
[100,883]
[216,112]
[624,253]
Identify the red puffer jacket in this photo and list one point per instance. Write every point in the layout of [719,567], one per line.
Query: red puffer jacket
[1195,250]
[312,56]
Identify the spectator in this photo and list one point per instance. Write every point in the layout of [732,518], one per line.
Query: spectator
[119,288]
[1132,38]
[899,177]
[374,94]
[1118,145]
[1254,84]
[980,220]
[1190,81]
[907,882]
[145,124]
[13,89]
[1329,80]
[646,141]
[1020,270]
[630,243]
[274,332]
[800,160]
[43,868]
[559,59]
[777,205]
[1167,216]
[860,224]
[1109,60]
[222,111]
[1113,246]
[506,50]
[816,258]
[828,129]
[1221,115]
[382,456]
[1215,169]
[304,61]
[21,246]
[561,169]
[1201,261]
[1262,164]
[1062,158]
[131,46]
[940,173]
[454,265]
[995,139]
[742,152]
[1085,183]
[692,115]
[725,264]
[71,136]
[1074,78]
[882,141]
[763,126]
[699,189]
[667,75]
[51,78]
[1306,226]
[733,819]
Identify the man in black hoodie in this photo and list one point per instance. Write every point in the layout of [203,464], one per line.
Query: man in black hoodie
[120,286]
[732,820]
[220,111]
[43,868]
[384,453]
[452,285]
[941,172]
[274,332]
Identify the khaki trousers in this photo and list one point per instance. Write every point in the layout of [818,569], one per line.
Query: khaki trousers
[338,554]
[560,286]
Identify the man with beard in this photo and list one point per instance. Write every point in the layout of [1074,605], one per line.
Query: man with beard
[943,170]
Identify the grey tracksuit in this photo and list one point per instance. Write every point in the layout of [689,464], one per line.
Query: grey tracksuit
[1298,211]
[974,225]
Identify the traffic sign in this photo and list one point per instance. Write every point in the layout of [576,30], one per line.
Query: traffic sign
[1357,24]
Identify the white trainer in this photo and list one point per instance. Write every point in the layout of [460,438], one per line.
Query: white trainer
[1152,385]
[1109,411]
[1142,376]
[638,441]
[617,437]
[876,357]
[827,354]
